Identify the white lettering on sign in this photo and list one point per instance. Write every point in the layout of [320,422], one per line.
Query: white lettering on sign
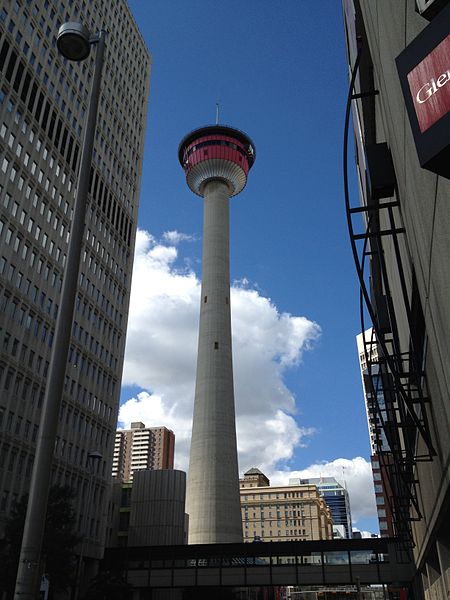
[431,87]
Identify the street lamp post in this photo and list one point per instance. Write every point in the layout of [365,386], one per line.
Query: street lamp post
[93,457]
[74,42]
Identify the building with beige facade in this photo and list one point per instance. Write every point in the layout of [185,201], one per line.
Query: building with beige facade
[142,448]
[282,513]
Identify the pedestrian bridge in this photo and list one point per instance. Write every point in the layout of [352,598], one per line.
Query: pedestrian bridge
[327,562]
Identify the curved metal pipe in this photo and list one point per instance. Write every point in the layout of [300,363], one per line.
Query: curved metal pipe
[407,401]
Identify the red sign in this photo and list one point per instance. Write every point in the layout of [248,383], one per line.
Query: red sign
[429,84]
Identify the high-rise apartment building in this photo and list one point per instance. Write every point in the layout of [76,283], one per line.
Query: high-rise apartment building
[399,98]
[336,497]
[43,104]
[282,513]
[141,448]
[381,455]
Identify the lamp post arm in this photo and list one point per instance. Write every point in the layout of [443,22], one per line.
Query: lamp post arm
[28,573]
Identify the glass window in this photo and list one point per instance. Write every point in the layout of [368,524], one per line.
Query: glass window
[361,557]
[311,558]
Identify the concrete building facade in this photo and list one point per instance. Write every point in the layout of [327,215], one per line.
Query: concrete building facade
[282,513]
[404,248]
[141,448]
[43,105]
[150,510]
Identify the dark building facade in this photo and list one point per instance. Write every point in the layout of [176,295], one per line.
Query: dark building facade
[399,231]
[43,106]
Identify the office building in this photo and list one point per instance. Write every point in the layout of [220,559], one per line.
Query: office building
[142,448]
[216,161]
[43,106]
[336,498]
[282,513]
[399,98]
[381,455]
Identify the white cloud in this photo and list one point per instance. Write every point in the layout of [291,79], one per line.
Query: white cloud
[160,360]
[175,237]
[357,474]
[161,354]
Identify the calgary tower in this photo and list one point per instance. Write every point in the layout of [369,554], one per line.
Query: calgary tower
[216,160]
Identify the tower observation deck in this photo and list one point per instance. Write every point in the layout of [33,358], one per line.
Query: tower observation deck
[216,160]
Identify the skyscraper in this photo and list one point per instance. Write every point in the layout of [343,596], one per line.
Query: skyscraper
[43,100]
[335,495]
[141,448]
[216,160]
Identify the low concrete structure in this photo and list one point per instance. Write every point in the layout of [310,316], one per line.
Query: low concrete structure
[149,511]
[157,508]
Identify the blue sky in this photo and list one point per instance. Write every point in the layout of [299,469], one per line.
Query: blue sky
[279,72]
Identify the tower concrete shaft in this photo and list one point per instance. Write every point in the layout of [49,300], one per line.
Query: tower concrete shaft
[212,502]
[216,160]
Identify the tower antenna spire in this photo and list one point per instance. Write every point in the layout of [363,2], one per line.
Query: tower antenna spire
[217,111]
